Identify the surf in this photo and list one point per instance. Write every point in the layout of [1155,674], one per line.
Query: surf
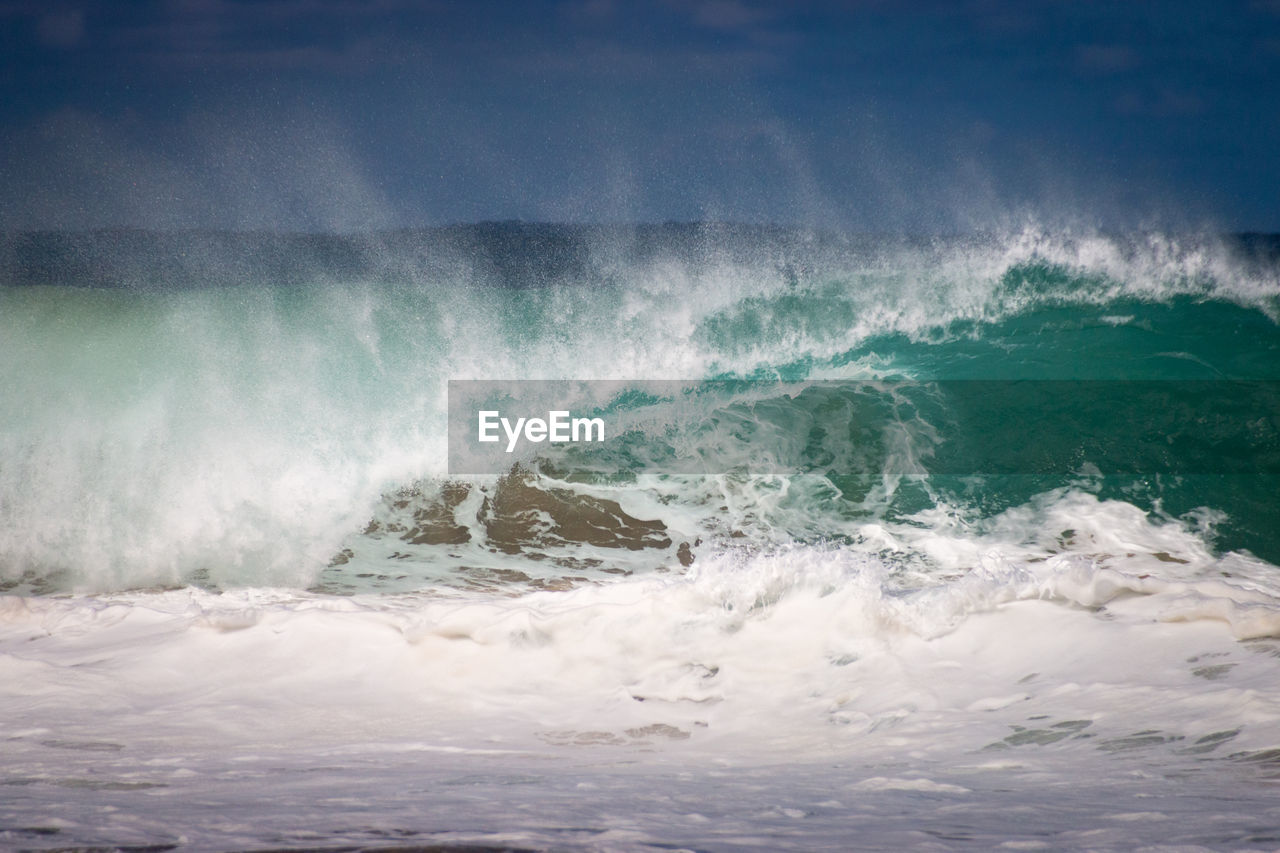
[244,418]
[887,529]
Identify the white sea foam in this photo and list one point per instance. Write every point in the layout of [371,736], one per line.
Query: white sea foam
[805,656]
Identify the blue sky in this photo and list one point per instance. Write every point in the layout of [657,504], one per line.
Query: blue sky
[862,115]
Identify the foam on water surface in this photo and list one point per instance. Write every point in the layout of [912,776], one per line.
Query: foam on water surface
[740,691]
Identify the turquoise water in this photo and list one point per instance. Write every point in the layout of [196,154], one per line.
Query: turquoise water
[238,409]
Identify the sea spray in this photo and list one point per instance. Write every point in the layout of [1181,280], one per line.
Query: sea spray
[239,424]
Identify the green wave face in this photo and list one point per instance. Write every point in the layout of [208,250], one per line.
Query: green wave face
[242,410]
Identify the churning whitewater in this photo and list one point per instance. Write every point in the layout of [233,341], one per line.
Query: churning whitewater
[246,604]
